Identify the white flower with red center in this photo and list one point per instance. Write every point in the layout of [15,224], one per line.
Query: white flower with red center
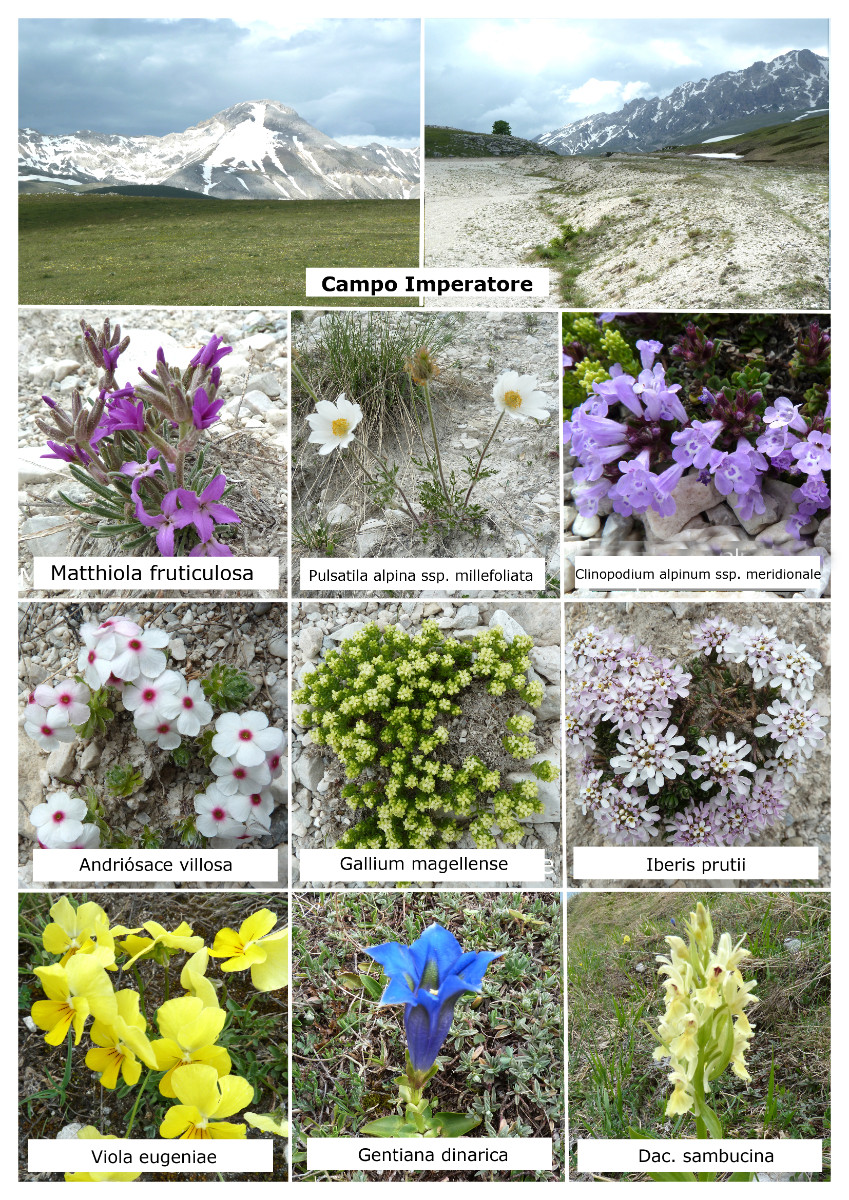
[245,737]
[111,627]
[94,661]
[59,821]
[140,654]
[89,839]
[274,760]
[68,696]
[214,818]
[255,810]
[48,732]
[146,695]
[153,727]
[234,777]
[189,708]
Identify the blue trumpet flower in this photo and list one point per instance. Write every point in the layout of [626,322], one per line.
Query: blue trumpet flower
[429,977]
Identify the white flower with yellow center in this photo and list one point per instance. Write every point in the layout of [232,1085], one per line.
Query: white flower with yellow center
[517,395]
[333,423]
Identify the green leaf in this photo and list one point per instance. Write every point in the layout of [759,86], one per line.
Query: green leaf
[711,1120]
[349,979]
[455,1124]
[385,1127]
[371,986]
[741,1177]
[673,1177]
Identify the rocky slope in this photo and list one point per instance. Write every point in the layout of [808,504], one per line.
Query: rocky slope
[257,150]
[733,102]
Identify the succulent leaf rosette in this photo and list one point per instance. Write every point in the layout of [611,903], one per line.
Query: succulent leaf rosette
[703,756]
[705,1028]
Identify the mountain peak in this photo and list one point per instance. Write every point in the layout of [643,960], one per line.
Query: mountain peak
[794,82]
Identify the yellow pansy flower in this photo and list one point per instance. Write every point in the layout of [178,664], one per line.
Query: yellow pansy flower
[268,1123]
[190,1030]
[204,1099]
[74,993]
[78,931]
[193,979]
[117,1042]
[89,1132]
[255,946]
[180,939]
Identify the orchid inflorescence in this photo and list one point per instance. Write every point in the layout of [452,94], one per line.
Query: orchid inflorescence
[134,449]
[120,658]
[444,498]
[382,703]
[705,1028]
[704,756]
[192,1066]
[637,434]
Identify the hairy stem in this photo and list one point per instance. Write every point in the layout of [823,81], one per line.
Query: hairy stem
[482,457]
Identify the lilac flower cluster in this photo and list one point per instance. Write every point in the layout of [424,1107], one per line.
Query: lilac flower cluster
[634,440]
[167,708]
[131,448]
[620,718]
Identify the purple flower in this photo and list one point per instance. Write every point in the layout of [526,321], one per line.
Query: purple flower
[139,471]
[110,357]
[165,522]
[659,398]
[205,411]
[813,455]
[783,415]
[68,453]
[815,489]
[693,445]
[697,825]
[211,549]
[211,354]
[121,414]
[566,361]
[737,472]
[204,511]
[649,351]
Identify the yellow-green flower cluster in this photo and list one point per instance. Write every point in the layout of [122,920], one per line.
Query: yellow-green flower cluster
[382,702]
[704,1028]
[193,1067]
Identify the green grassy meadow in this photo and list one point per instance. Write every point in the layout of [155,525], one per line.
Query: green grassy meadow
[87,249]
[614,995]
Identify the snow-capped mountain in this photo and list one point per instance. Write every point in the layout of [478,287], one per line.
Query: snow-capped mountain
[793,83]
[257,150]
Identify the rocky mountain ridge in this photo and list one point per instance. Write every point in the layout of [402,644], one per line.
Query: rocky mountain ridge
[255,150]
[732,102]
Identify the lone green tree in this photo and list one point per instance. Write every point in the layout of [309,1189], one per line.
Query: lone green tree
[501,127]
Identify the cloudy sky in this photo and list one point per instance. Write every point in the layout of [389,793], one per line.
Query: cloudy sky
[540,74]
[355,80]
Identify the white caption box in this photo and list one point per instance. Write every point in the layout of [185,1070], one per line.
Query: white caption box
[185,866]
[157,574]
[695,862]
[356,282]
[434,574]
[422,865]
[429,1154]
[698,572]
[150,1154]
[730,1154]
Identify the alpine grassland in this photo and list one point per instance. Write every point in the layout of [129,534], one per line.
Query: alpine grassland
[86,249]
